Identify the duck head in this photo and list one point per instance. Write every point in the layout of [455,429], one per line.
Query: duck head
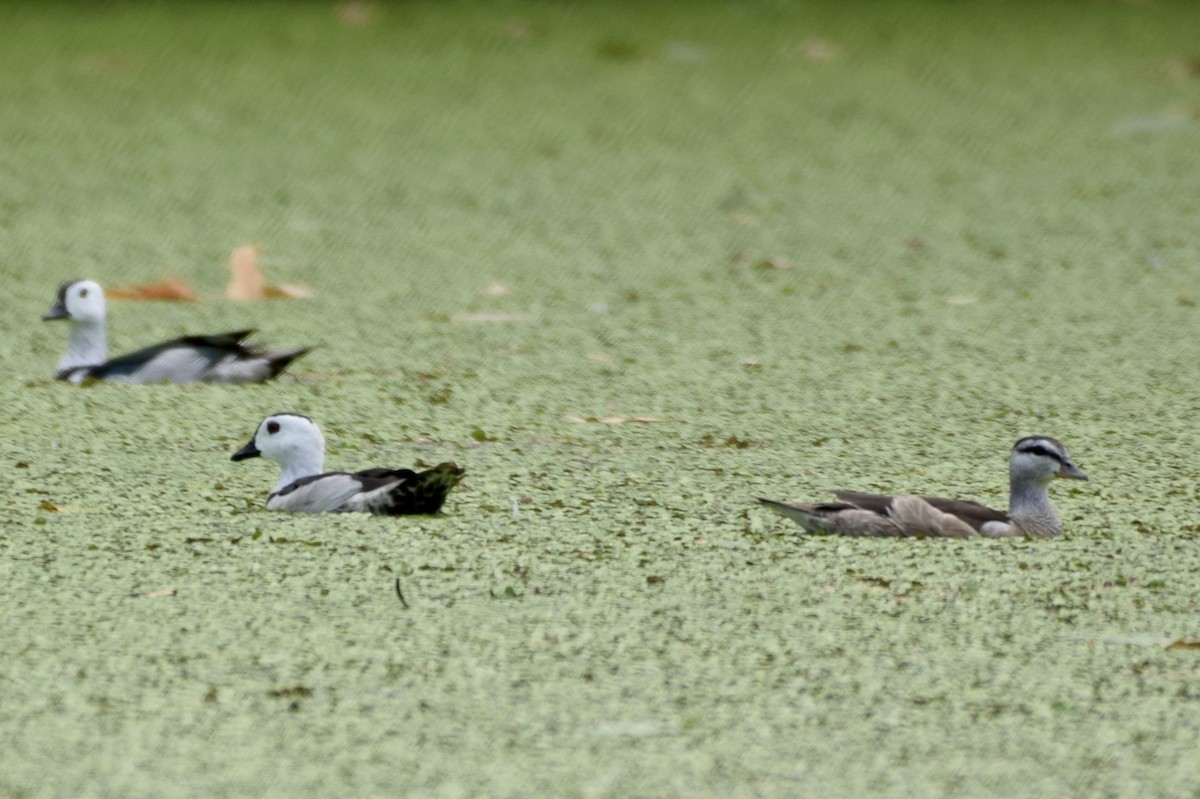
[78,301]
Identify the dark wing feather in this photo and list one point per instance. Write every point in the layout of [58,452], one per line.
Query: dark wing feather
[303,481]
[212,348]
[972,513]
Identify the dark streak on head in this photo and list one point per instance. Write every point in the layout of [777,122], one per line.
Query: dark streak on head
[63,287]
[1045,446]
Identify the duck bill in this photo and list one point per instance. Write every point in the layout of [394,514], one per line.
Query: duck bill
[59,311]
[1071,472]
[248,451]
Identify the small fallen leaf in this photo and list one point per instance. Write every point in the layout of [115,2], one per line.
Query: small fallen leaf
[46,504]
[1184,643]
[171,290]
[288,291]
[159,594]
[773,263]
[1183,67]
[496,290]
[246,281]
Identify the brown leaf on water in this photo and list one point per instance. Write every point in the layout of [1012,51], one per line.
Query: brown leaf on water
[1183,67]
[288,291]
[776,262]
[170,290]
[47,505]
[1184,643]
[246,281]
[613,419]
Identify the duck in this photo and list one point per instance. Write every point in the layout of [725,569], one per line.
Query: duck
[1034,462]
[295,441]
[222,358]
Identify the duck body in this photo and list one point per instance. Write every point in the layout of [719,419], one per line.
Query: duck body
[221,358]
[296,443]
[1033,463]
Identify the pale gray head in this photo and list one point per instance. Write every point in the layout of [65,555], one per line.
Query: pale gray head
[79,301]
[1040,459]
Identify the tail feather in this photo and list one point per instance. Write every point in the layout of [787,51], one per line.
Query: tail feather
[800,514]
[425,492]
[279,360]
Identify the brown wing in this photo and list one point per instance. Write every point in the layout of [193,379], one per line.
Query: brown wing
[972,513]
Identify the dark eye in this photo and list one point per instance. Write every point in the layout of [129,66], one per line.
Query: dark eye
[272,427]
[83,292]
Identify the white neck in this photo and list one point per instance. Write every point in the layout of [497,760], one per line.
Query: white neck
[300,465]
[87,345]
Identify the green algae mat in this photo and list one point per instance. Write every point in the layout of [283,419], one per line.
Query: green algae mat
[632,265]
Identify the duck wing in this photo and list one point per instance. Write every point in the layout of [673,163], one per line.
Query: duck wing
[387,492]
[318,493]
[971,513]
[189,359]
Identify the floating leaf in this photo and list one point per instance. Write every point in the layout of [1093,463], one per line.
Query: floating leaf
[46,504]
[712,442]
[246,281]
[170,290]
[773,263]
[293,692]
[1184,643]
[288,291]
[613,419]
